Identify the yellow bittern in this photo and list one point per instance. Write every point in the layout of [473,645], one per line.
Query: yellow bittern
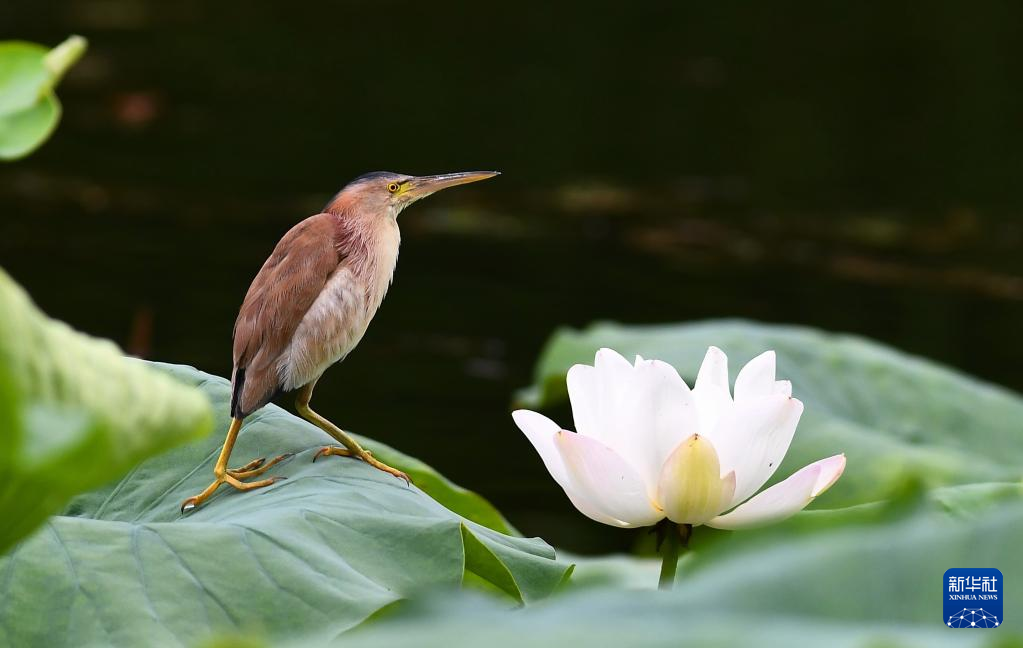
[310,305]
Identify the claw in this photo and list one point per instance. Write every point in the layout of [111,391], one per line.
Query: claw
[188,505]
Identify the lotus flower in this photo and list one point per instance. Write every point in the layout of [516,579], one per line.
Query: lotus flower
[646,447]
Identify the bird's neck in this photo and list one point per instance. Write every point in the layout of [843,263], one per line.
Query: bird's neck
[369,247]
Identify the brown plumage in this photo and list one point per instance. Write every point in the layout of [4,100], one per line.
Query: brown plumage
[311,303]
[287,285]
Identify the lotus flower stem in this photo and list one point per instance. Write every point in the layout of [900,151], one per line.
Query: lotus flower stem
[673,539]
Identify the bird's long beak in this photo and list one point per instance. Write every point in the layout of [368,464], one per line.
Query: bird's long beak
[423,186]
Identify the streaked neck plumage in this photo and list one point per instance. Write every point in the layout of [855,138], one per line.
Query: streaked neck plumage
[367,243]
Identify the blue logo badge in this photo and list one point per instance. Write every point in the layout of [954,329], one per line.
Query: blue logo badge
[973,598]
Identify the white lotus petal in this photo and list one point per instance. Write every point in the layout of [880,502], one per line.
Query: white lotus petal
[540,431]
[714,370]
[670,404]
[586,394]
[652,415]
[766,453]
[783,387]
[604,481]
[786,498]
[756,379]
[752,440]
[711,393]
[594,392]
[611,363]
[831,469]
[691,489]
[591,512]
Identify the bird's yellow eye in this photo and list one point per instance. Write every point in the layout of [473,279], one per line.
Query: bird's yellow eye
[392,187]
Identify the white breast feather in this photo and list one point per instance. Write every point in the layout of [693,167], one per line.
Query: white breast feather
[337,320]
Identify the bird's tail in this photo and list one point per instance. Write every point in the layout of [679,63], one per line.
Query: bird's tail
[237,384]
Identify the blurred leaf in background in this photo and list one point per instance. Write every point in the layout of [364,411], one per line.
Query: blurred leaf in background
[314,555]
[75,413]
[29,108]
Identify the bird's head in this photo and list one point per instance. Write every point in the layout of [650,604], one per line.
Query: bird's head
[383,193]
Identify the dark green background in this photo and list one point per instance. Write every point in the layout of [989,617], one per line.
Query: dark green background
[851,167]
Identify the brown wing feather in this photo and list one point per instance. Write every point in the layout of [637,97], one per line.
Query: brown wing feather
[280,295]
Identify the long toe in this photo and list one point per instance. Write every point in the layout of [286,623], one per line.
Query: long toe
[233,480]
[247,486]
[197,500]
[379,465]
[245,472]
[332,450]
[252,465]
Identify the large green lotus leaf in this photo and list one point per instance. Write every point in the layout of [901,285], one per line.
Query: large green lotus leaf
[315,554]
[75,413]
[29,110]
[465,502]
[871,584]
[894,415]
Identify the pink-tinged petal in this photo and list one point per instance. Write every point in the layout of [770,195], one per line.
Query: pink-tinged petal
[604,481]
[691,489]
[756,379]
[540,431]
[784,499]
[591,512]
[753,438]
[711,393]
[831,469]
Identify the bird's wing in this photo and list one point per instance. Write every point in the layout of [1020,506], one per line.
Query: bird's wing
[287,285]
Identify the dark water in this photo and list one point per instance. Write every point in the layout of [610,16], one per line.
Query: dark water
[854,168]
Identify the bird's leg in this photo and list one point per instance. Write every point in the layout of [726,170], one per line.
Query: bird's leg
[351,446]
[224,476]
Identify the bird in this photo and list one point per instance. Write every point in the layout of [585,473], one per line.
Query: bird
[309,306]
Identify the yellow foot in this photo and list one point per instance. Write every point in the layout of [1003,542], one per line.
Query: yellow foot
[257,467]
[365,455]
[197,500]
